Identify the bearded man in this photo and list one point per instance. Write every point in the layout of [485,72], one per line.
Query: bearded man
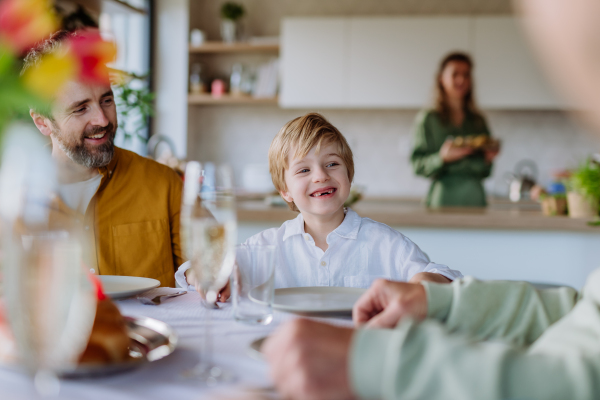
[128,205]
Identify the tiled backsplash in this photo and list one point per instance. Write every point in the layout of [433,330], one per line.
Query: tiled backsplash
[381,142]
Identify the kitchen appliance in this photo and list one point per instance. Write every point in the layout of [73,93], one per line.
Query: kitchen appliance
[522,180]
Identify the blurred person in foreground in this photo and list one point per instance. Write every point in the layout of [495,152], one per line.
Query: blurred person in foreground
[468,339]
[128,205]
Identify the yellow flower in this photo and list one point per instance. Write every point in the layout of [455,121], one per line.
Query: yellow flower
[53,71]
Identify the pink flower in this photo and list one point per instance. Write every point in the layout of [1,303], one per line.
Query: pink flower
[25,22]
[93,53]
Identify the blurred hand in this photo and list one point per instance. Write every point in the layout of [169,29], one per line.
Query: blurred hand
[387,302]
[223,294]
[490,155]
[309,360]
[451,153]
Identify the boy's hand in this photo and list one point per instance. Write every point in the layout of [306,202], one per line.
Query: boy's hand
[429,277]
[309,360]
[223,294]
[387,302]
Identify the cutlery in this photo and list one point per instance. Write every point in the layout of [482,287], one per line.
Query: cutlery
[157,299]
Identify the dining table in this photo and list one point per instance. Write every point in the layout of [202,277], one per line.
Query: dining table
[169,377]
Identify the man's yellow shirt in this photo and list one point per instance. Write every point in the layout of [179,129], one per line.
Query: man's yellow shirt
[131,225]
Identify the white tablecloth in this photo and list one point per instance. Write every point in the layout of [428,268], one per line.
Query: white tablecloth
[162,379]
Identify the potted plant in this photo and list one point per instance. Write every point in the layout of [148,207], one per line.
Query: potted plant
[230,16]
[554,204]
[583,197]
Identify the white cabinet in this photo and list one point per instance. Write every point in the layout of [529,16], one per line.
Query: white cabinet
[506,73]
[393,61]
[390,62]
[314,61]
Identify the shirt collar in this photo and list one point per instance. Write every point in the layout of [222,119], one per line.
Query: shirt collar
[348,228]
[294,227]
[108,171]
[350,225]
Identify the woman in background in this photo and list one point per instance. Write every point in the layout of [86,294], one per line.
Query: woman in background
[452,142]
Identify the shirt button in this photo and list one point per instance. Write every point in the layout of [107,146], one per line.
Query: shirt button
[306,238]
[323,263]
[92,270]
[87,228]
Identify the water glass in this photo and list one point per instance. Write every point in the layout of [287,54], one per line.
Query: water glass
[253,284]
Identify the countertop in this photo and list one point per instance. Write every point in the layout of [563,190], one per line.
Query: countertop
[408,212]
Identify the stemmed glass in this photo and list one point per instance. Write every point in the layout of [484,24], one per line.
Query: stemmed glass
[49,301]
[209,233]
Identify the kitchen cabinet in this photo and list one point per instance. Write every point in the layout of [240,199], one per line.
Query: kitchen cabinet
[506,73]
[314,62]
[390,62]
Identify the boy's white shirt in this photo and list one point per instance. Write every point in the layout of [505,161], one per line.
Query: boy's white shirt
[360,251]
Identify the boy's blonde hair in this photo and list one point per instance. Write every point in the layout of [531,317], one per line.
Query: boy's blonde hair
[301,135]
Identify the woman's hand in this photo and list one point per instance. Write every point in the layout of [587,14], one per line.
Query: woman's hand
[451,153]
[491,154]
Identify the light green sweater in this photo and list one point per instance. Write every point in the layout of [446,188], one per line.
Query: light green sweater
[487,340]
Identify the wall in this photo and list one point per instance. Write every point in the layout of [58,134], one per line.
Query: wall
[380,139]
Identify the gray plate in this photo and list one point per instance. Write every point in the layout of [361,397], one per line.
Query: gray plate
[151,340]
[317,299]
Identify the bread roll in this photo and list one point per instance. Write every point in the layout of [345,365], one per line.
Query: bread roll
[109,340]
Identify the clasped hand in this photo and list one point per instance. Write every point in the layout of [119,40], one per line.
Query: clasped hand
[309,359]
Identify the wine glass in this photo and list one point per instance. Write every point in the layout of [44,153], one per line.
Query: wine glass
[209,233]
[49,301]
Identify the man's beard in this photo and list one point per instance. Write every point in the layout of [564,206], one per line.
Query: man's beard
[76,150]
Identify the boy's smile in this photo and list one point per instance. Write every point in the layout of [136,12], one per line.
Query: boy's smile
[329,191]
[318,183]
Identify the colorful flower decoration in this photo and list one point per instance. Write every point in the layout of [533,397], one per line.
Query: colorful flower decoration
[25,22]
[83,58]
[46,78]
[93,53]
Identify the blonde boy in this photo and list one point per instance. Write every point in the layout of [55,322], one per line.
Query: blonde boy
[312,167]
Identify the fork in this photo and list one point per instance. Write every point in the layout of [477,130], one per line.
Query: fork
[157,299]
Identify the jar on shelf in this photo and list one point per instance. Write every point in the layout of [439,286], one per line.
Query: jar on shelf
[196,84]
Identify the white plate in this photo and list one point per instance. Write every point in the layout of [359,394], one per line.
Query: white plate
[118,287]
[317,299]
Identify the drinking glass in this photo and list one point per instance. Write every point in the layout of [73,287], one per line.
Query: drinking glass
[209,233]
[253,284]
[49,302]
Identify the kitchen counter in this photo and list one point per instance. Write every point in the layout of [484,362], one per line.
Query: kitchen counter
[499,215]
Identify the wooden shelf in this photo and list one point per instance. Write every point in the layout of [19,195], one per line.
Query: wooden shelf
[207,99]
[239,47]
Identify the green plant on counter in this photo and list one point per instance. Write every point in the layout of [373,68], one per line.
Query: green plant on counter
[134,102]
[586,180]
[355,195]
[232,11]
